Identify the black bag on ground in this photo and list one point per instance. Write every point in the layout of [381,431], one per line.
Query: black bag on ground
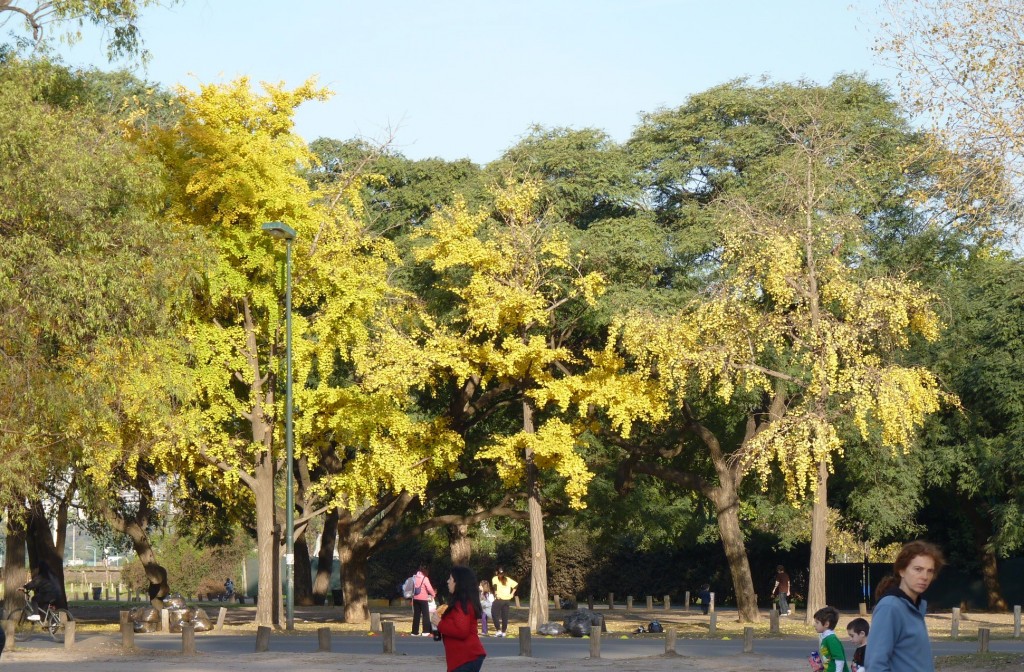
[655,626]
[579,623]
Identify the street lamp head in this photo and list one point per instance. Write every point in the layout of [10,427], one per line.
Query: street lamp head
[279,230]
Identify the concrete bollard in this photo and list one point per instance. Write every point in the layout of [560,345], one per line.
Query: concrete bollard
[590,602]
[629,604]
[686,602]
[713,623]
[1016,621]
[650,603]
[375,622]
[262,639]
[389,636]
[670,640]
[9,627]
[983,637]
[711,604]
[773,620]
[748,640]
[595,641]
[165,621]
[954,624]
[668,602]
[222,614]
[69,632]
[188,639]
[127,631]
[323,639]
[611,601]
[525,643]
[862,609]
[558,601]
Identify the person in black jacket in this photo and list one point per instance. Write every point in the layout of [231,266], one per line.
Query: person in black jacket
[46,589]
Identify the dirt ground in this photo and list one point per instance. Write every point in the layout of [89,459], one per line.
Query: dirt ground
[103,653]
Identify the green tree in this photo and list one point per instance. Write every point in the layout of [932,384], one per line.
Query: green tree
[118,18]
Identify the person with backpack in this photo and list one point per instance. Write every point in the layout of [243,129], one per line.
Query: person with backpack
[422,593]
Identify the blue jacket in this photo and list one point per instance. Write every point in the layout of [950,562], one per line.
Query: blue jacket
[899,637]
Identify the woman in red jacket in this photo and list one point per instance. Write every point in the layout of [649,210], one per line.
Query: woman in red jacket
[458,623]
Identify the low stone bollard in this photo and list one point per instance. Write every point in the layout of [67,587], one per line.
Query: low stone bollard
[668,602]
[323,639]
[713,623]
[525,642]
[773,620]
[165,621]
[862,609]
[629,604]
[983,636]
[222,614]
[188,639]
[686,602]
[389,636]
[69,632]
[595,641]
[127,630]
[954,624]
[711,604]
[748,640]
[611,601]
[650,603]
[375,622]
[670,640]
[1016,621]
[262,639]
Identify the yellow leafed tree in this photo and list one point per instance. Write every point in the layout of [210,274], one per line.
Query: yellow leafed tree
[519,290]
[797,317]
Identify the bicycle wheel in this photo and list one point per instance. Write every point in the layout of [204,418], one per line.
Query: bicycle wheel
[55,623]
[24,628]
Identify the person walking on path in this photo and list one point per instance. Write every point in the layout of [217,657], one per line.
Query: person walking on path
[463,651]
[504,591]
[831,653]
[422,592]
[781,590]
[486,602]
[899,634]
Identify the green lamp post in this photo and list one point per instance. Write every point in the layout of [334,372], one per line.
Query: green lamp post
[287,234]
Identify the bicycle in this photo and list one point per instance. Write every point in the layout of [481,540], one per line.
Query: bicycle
[51,619]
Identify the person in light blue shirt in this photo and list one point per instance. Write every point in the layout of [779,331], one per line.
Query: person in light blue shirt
[899,634]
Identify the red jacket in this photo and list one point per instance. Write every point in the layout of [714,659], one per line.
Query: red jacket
[458,632]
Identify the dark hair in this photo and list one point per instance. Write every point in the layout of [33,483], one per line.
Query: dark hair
[467,591]
[858,625]
[827,616]
[910,550]
[424,568]
[780,568]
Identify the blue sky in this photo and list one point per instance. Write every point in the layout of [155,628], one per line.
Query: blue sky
[464,78]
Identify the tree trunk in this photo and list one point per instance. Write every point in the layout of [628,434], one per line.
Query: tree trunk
[538,554]
[325,559]
[135,528]
[41,546]
[303,571]
[458,544]
[267,613]
[816,598]
[353,582]
[981,531]
[726,501]
[15,575]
